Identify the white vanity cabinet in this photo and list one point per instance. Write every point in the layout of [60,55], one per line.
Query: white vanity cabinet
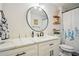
[49,48]
[21,51]
[40,47]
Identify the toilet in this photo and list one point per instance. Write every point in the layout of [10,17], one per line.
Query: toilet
[66,50]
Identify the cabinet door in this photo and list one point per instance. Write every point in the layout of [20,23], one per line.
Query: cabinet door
[30,51]
[54,47]
[44,49]
[12,52]
[49,48]
[21,51]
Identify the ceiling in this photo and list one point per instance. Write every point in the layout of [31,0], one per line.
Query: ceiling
[69,6]
[65,6]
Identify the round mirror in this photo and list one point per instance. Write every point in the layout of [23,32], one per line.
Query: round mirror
[37,19]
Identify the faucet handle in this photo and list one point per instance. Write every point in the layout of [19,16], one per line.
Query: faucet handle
[32,33]
[41,34]
[19,36]
[38,35]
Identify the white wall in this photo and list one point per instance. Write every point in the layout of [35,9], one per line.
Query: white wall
[0,6]
[16,16]
[0,9]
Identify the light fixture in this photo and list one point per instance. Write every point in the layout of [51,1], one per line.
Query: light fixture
[42,7]
[35,7]
[37,4]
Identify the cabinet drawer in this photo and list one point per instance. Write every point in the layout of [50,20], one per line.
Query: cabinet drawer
[50,43]
[28,50]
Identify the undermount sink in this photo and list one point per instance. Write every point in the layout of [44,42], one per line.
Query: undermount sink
[44,38]
[3,41]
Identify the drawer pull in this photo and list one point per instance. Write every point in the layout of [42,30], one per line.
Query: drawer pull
[21,54]
[51,44]
[51,53]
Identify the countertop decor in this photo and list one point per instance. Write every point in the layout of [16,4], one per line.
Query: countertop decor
[4,32]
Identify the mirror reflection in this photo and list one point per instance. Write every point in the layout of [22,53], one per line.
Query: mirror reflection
[37,18]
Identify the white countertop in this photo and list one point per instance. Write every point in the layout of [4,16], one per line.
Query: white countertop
[13,43]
